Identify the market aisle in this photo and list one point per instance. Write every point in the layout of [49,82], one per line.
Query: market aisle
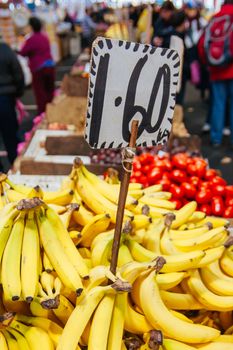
[195,113]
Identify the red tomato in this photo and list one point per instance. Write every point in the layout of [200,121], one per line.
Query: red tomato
[178,175]
[133,179]
[229,191]
[177,202]
[229,202]
[218,190]
[136,165]
[217,206]
[206,208]
[167,165]
[166,175]
[192,169]
[146,158]
[166,183]
[146,168]
[218,180]
[228,212]
[210,173]
[189,190]
[159,163]
[144,181]
[194,180]
[203,196]
[137,174]
[176,191]
[179,161]
[201,169]
[204,185]
[154,175]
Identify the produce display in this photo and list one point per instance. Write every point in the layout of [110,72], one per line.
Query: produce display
[186,178]
[173,289]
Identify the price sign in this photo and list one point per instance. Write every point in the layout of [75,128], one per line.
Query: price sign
[130,81]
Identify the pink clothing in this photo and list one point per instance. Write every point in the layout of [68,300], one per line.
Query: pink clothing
[37,49]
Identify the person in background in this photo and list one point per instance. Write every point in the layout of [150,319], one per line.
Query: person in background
[11,87]
[37,49]
[68,19]
[177,37]
[162,26]
[215,49]
[88,28]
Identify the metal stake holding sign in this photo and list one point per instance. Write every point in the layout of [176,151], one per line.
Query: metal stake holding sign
[132,91]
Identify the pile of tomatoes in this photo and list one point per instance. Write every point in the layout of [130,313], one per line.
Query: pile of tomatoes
[187,178]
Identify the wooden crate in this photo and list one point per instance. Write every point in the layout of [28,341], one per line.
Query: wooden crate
[67,145]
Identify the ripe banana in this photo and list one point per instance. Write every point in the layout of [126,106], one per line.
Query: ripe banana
[69,247]
[10,269]
[80,317]
[57,255]
[98,337]
[158,314]
[216,280]
[205,296]
[183,214]
[99,223]
[30,258]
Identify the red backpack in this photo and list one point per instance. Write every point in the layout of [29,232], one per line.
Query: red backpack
[218,41]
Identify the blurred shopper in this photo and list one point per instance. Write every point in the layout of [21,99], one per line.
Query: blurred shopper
[194,72]
[178,22]
[37,49]
[11,87]
[88,28]
[163,27]
[216,49]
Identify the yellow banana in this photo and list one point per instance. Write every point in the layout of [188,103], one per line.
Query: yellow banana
[124,256]
[157,202]
[205,296]
[117,322]
[171,344]
[174,263]
[135,322]
[69,247]
[186,234]
[96,202]
[217,346]
[169,280]
[101,251]
[30,258]
[10,269]
[158,314]
[98,337]
[205,241]
[226,263]
[83,215]
[99,223]
[57,255]
[183,214]
[151,240]
[67,215]
[216,280]
[48,267]
[62,197]
[178,301]
[3,342]
[215,221]
[108,191]
[6,224]
[80,317]
[11,342]
[53,329]
[21,340]
[211,255]
[32,334]
[64,309]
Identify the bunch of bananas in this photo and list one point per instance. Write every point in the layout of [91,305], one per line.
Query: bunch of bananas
[174,284]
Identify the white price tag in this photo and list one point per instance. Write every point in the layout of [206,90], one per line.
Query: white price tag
[130,81]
